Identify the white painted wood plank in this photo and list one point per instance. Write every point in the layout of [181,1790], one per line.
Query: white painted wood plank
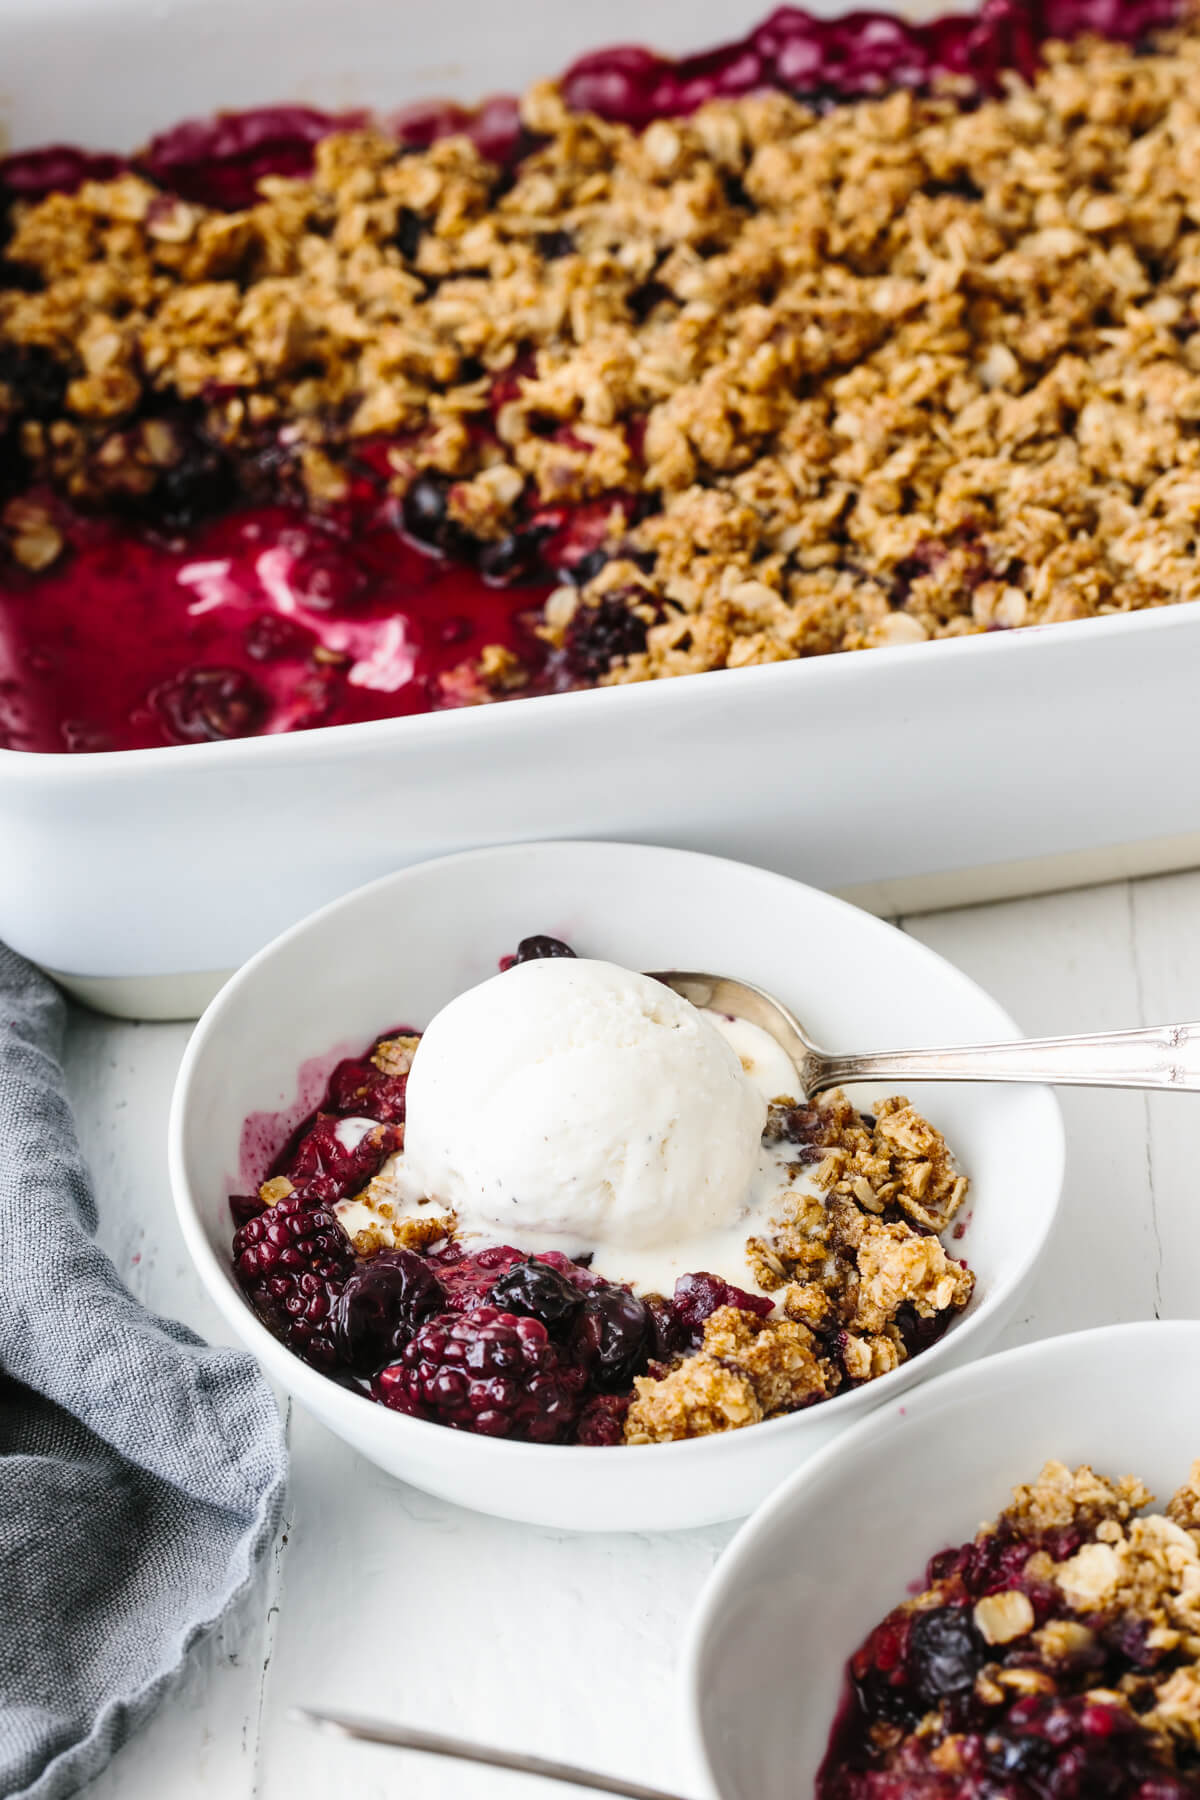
[406,1606]
[1166,915]
[1059,963]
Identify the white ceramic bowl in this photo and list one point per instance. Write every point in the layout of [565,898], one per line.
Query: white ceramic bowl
[841,1543]
[402,947]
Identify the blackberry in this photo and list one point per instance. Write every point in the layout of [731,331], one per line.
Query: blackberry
[602,1420]
[492,1373]
[292,1263]
[389,1388]
[380,1308]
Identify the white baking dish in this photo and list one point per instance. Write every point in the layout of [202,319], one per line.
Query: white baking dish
[920,776]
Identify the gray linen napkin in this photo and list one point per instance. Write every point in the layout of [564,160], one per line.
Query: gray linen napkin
[141,1473]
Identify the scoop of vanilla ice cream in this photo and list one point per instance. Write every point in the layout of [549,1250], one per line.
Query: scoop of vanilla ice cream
[574,1101]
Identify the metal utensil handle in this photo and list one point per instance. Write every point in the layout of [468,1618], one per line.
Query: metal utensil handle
[431,1743]
[1161,1056]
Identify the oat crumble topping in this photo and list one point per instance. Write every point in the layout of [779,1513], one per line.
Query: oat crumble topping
[857,1263]
[870,376]
[1061,1645]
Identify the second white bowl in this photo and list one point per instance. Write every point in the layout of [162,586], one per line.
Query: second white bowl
[847,1538]
[400,949]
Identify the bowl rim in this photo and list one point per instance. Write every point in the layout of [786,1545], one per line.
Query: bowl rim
[998,1367]
[474,724]
[304,1380]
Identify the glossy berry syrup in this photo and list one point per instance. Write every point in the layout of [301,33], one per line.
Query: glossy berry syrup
[258,621]
[228,620]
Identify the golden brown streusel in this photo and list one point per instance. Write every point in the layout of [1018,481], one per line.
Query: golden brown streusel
[893,372]
[1062,1496]
[698,1397]
[837,1267]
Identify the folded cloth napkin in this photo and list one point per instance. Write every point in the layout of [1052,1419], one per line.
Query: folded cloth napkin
[141,1472]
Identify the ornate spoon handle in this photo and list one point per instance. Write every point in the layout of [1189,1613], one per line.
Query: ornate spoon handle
[1161,1056]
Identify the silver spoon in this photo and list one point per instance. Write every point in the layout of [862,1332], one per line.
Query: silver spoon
[1160,1056]
[406,1737]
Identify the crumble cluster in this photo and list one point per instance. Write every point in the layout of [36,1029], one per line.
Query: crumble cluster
[888,372]
[855,1267]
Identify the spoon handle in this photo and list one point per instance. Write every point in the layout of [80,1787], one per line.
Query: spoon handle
[1160,1056]
[406,1737]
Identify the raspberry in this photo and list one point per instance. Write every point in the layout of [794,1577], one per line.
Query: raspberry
[325,1169]
[359,1088]
[292,1263]
[467,1281]
[489,1372]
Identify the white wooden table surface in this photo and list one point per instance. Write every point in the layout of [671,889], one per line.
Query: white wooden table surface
[384,1600]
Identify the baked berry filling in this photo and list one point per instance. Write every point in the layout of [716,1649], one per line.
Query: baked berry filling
[370,1284]
[1051,1658]
[262,468]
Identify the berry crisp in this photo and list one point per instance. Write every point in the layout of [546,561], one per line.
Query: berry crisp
[851,1279]
[852,334]
[1054,1657]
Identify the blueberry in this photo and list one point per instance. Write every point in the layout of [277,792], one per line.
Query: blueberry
[587,567]
[944,1655]
[535,949]
[409,226]
[510,559]
[600,635]
[199,485]
[536,1291]
[380,1308]
[38,383]
[552,244]
[613,1337]
[425,516]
